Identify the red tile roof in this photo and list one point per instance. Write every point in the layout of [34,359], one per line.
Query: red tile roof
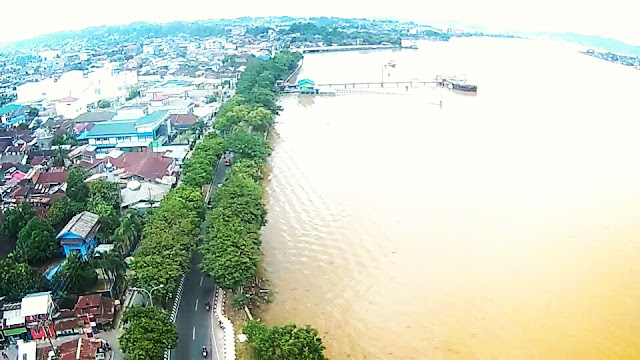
[37,160]
[147,165]
[68,99]
[69,350]
[100,307]
[183,119]
[57,177]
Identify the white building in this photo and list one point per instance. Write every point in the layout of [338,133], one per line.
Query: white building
[101,83]
[70,107]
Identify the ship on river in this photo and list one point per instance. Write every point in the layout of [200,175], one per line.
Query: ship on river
[456,83]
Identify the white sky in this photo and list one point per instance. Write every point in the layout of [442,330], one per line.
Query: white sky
[612,18]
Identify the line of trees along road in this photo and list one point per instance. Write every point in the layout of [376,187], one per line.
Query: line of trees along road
[231,247]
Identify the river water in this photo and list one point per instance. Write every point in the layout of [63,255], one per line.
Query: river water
[500,226]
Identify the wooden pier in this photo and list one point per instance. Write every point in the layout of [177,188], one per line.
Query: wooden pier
[386,84]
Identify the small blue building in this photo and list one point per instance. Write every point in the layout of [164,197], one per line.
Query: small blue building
[80,235]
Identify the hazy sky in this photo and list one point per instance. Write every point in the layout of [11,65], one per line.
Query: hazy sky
[611,18]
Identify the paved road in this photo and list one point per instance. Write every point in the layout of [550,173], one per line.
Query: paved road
[194,323]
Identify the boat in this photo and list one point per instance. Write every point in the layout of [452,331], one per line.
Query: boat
[456,83]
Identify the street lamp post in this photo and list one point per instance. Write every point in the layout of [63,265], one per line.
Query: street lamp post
[148,292]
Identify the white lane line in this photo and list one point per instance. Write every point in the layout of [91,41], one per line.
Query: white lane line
[213,331]
[194,333]
[196,304]
[201,278]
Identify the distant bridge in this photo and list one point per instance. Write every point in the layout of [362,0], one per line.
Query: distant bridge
[305,50]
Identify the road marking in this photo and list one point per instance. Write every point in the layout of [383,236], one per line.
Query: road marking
[213,331]
[196,304]
[201,278]
[194,333]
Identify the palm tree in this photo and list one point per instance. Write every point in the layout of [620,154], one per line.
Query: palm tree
[129,231]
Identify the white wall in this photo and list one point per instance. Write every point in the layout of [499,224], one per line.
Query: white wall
[70,110]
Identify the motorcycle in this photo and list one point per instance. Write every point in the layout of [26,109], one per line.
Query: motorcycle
[204,352]
[207,306]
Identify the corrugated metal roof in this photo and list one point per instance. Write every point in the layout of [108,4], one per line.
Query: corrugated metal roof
[112,128]
[152,118]
[81,224]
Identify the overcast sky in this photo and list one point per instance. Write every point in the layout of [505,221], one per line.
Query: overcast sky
[611,18]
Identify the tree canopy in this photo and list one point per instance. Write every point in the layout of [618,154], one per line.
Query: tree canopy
[36,241]
[76,276]
[19,279]
[287,342]
[77,190]
[148,332]
[16,218]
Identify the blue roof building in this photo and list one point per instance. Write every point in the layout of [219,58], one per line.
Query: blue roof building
[130,134]
[80,234]
[11,114]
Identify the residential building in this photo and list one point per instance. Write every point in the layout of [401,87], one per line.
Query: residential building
[79,349]
[182,122]
[37,311]
[70,107]
[12,327]
[96,309]
[130,135]
[80,234]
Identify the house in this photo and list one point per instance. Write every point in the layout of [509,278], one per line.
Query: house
[12,325]
[143,194]
[79,349]
[49,182]
[94,116]
[37,311]
[130,135]
[96,308]
[80,234]
[307,86]
[70,107]
[12,114]
[182,122]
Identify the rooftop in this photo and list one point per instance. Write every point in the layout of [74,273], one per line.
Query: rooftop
[95,116]
[113,128]
[36,304]
[8,109]
[80,225]
[152,118]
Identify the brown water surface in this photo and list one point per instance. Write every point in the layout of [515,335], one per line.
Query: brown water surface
[500,226]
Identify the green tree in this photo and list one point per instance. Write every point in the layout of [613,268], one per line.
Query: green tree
[111,263]
[36,241]
[107,191]
[246,167]
[31,111]
[62,210]
[259,118]
[108,216]
[128,231]
[249,145]
[16,218]
[103,104]
[287,342]
[19,279]
[132,94]
[77,190]
[77,275]
[211,99]
[59,156]
[68,138]
[148,332]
